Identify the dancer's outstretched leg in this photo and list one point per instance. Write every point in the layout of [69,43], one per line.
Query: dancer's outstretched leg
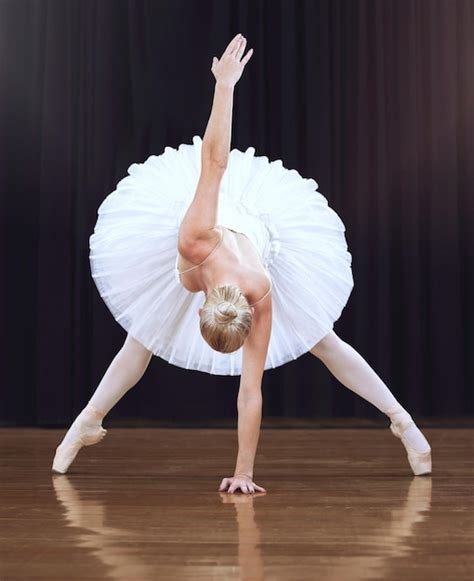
[351,369]
[125,370]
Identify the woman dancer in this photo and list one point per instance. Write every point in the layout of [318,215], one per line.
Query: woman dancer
[266,250]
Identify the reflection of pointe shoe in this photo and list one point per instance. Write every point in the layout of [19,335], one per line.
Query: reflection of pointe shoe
[420,462]
[87,432]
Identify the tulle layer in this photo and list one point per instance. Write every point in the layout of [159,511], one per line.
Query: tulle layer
[301,240]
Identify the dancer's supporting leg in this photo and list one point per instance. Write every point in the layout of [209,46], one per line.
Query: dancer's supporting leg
[125,370]
[351,369]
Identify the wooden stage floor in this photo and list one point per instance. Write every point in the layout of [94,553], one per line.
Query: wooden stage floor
[341,504]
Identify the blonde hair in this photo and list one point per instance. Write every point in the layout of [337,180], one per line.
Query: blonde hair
[226,318]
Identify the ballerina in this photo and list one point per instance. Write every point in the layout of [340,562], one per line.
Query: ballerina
[266,251]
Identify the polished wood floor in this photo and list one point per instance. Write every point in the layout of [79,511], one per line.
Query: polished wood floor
[143,504]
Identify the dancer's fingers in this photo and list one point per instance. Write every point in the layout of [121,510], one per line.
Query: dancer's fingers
[232,488]
[246,58]
[240,49]
[224,484]
[232,44]
[235,49]
[259,488]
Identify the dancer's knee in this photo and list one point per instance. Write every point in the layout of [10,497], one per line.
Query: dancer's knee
[326,345]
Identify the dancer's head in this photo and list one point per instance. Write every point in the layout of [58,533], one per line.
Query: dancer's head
[226,318]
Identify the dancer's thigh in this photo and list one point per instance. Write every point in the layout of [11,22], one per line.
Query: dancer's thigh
[326,345]
[133,348]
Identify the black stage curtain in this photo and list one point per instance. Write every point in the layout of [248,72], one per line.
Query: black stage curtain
[371,98]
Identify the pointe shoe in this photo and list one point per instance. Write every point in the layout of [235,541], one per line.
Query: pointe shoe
[66,453]
[420,462]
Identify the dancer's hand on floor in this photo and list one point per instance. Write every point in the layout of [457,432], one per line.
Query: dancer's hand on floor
[228,69]
[242,482]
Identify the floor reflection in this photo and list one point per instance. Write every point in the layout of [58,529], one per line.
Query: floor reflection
[108,544]
[250,558]
[261,534]
[387,539]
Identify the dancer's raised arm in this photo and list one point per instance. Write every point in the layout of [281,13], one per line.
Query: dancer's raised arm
[201,215]
[227,71]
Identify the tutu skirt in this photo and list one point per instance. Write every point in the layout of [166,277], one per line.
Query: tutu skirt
[301,241]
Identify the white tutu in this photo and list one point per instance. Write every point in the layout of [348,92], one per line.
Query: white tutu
[133,254]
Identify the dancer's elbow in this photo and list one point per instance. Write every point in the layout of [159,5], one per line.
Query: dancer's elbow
[214,161]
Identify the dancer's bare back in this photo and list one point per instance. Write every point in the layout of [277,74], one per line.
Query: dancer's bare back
[235,260]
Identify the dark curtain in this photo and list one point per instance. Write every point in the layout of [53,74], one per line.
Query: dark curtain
[373,99]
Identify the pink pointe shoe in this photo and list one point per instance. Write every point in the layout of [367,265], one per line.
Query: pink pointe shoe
[84,431]
[420,461]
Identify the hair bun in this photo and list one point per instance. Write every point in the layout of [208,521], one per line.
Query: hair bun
[226,312]
[225,319]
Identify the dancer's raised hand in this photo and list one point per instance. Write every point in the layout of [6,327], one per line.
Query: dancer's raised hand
[228,69]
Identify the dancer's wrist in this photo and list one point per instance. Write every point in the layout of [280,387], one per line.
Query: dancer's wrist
[248,474]
[224,85]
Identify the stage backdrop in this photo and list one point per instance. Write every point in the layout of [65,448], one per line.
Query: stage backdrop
[373,99]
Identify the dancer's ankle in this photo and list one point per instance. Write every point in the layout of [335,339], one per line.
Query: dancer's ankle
[393,409]
[95,411]
[398,414]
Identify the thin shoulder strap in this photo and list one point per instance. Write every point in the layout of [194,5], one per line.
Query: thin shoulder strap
[215,248]
[265,295]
